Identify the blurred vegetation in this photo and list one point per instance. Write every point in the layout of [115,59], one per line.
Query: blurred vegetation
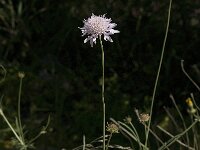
[42,39]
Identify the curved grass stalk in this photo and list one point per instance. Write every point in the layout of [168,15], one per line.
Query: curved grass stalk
[158,73]
[43,131]
[193,82]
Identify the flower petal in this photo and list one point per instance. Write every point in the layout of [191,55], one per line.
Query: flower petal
[114,31]
[107,38]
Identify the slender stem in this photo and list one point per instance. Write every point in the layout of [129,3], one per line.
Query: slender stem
[109,141]
[181,116]
[194,132]
[178,141]
[102,95]
[4,70]
[19,110]
[158,73]
[36,137]
[154,134]
[193,82]
[10,126]
[97,139]
[171,116]
[41,132]
[83,142]
[195,104]
[175,138]
[136,133]
[125,131]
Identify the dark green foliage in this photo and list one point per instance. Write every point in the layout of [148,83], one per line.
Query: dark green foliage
[41,38]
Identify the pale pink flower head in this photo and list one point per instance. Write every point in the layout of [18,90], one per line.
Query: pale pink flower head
[95,26]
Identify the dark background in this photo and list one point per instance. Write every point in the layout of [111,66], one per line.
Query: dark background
[62,74]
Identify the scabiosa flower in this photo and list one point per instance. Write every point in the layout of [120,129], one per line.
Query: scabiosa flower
[95,26]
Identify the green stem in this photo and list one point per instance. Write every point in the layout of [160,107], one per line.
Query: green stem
[4,76]
[102,95]
[193,82]
[136,135]
[83,142]
[109,141]
[158,73]
[19,110]
[36,137]
[181,116]
[126,132]
[41,132]
[175,138]
[10,126]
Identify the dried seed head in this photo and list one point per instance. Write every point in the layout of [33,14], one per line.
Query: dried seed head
[128,119]
[21,75]
[144,117]
[112,128]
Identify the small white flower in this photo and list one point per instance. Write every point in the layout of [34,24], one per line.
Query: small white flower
[95,26]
